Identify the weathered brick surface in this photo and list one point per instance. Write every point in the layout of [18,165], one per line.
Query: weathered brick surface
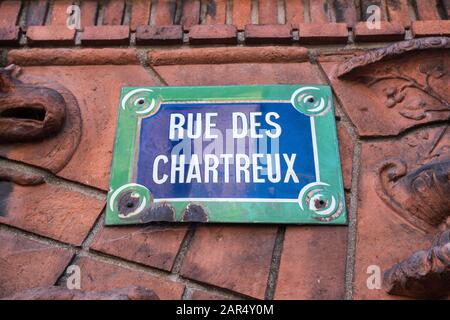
[9,35]
[105,35]
[113,12]
[294,13]
[313,33]
[213,34]
[9,13]
[428,10]
[36,12]
[89,10]
[26,263]
[70,57]
[431,28]
[345,11]
[313,263]
[365,4]
[389,31]
[268,11]
[203,295]
[216,11]
[229,74]
[266,54]
[50,35]
[159,35]
[398,12]
[320,11]
[233,257]
[165,12]
[190,13]
[155,246]
[242,13]
[98,275]
[263,34]
[65,215]
[346,147]
[140,14]
[59,15]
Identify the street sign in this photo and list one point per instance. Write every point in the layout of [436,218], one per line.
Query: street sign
[242,154]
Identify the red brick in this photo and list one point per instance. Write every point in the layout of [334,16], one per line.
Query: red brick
[97,90]
[159,35]
[26,263]
[242,13]
[71,57]
[312,263]
[233,257]
[65,215]
[9,36]
[366,4]
[190,14]
[346,12]
[203,295]
[313,33]
[242,73]
[165,12]
[389,31]
[89,9]
[346,148]
[216,11]
[155,246]
[431,28]
[213,34]
[398,12]
[319,11]
[105,35]
[36,12]
[295,12]
[98,275]
[261,34]
[113,12]
[59,12]
[9,13]
[50,35]
[227,55]
[428,10]
[140,13]
[268,11]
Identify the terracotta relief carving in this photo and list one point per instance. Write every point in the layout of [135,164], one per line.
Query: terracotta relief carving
[28,112]
[425,274]
[389,90]
[391,51]
[419,192]
[34,111]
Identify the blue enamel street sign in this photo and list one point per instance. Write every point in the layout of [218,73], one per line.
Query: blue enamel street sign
[265,154]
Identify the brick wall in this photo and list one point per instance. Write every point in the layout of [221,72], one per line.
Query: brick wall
[59,222]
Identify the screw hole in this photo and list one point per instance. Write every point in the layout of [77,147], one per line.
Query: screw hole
[311,100]
[319,204]
[141,101]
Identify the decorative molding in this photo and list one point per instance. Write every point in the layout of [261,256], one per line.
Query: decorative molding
[393,50]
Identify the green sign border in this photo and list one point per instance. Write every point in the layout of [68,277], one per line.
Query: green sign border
[322,202]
